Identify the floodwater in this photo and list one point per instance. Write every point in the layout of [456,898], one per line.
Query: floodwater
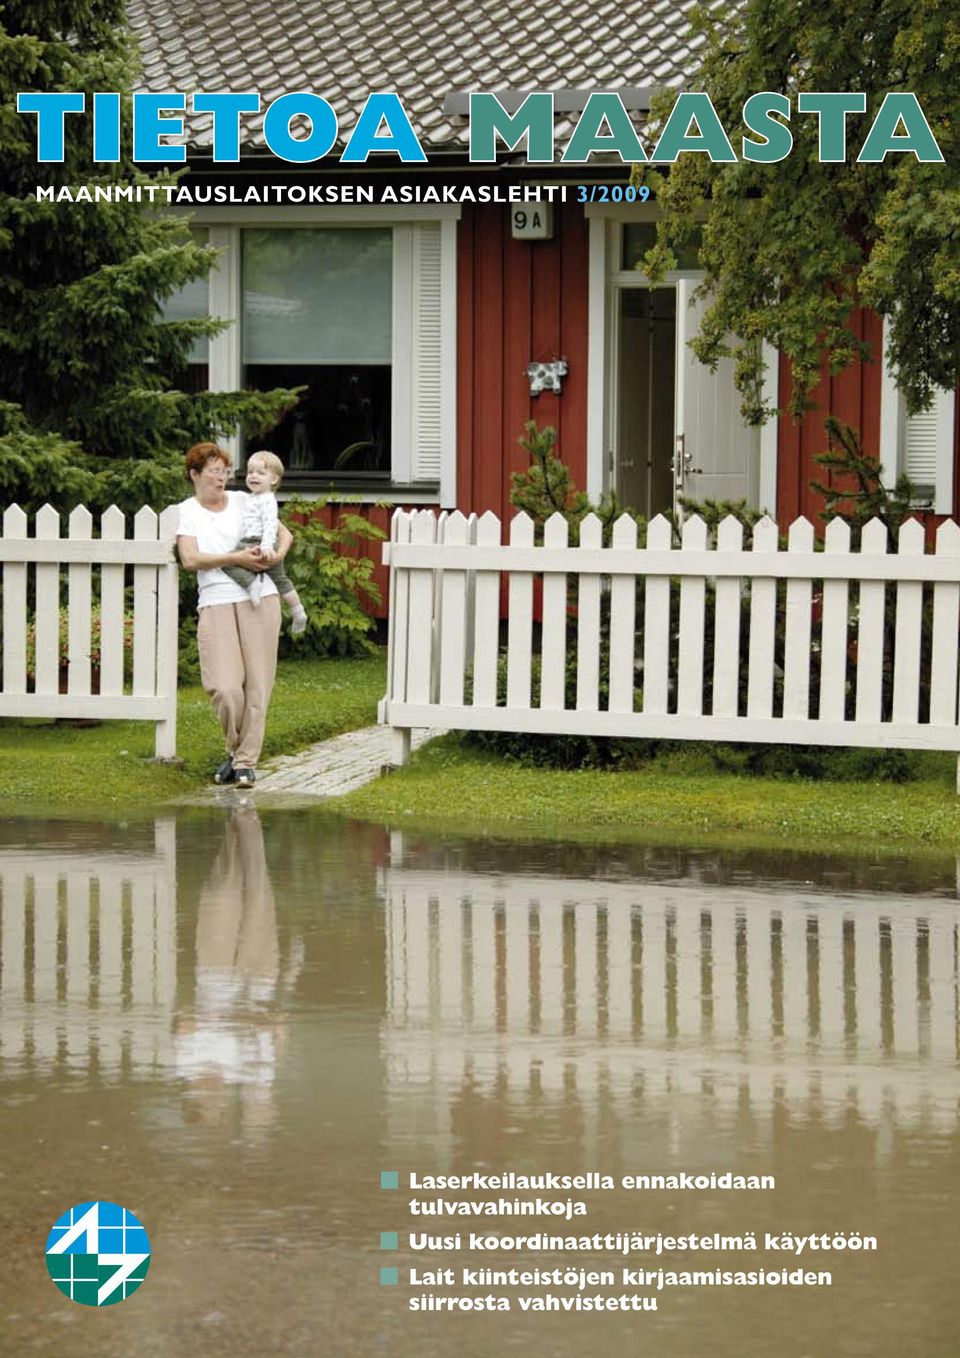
[232,1021]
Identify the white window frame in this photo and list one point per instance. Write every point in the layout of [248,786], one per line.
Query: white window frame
[225,224]
[605,279]
[893,421]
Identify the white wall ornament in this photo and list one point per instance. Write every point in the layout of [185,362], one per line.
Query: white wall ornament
[547,376]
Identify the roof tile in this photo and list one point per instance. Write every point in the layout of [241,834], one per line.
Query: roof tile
[424,49]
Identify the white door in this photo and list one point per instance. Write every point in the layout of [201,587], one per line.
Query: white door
[717,455]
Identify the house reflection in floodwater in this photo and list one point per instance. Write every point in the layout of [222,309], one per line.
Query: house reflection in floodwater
[235,1039]
[552,996]
[500,995]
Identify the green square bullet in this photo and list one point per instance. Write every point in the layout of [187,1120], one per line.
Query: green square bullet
[389,1240]
[389,1178]
[389,1277]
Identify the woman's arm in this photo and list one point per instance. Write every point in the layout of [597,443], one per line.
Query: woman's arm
[192,559]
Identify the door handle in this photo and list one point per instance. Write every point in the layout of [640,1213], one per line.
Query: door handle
[682,462]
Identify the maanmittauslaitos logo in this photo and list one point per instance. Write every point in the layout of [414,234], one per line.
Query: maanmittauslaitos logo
[98,1253]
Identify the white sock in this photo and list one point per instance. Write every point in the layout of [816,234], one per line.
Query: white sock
[298,621]
[255,590]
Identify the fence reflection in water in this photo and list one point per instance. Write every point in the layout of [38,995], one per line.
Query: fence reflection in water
[554,989]
[88,969]
[65,1001]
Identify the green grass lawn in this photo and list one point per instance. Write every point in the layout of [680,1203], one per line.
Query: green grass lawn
[454,789]
[47,766]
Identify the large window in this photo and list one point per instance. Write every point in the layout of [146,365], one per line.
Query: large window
[359,313]
[317,313]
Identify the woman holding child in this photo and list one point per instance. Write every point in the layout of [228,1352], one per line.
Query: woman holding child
[235,544]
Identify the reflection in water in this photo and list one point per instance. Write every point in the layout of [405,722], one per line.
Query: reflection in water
[88,958]
[88,969]
[544,989]
[232,1025]
[235,1029]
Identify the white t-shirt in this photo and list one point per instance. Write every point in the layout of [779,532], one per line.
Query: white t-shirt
[261,519]
[217,532]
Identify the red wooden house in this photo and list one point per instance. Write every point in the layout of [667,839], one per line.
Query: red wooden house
[413,325]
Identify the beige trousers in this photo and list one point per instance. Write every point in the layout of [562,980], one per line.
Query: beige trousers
[238,664]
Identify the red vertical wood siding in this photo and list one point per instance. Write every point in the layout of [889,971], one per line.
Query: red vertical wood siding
[517,302]
[853,396]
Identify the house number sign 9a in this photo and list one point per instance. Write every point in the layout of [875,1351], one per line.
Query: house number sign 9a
[532,221]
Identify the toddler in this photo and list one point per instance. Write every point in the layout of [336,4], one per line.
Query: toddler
[259,529]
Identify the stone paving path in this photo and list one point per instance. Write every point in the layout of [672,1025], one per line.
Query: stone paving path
[330,768]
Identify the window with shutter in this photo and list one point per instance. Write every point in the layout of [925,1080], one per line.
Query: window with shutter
[928,442]
[918,446]
[364,318]
[426,378]
[425,365]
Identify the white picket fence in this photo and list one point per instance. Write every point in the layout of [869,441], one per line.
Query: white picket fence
[570,996]
[96,578]
[818,632]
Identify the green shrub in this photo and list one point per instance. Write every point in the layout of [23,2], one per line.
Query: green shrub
[188,653]
[63,642]
[811,763]
[546,488]
[333,584]
[859,494]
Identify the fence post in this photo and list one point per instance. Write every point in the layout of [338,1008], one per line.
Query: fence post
[79,596]
[907,636]
[726,636]
[520,623]
[486,621]
[623,612]
[870,630]
[452,608]
[656,623]
[14,607]
[112,529]
[588,622]
[47,629]
[798,623]
[397,639]
[167,640]
[760,647]
[399,745]
[553,637]
[693,591]
[145,609]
